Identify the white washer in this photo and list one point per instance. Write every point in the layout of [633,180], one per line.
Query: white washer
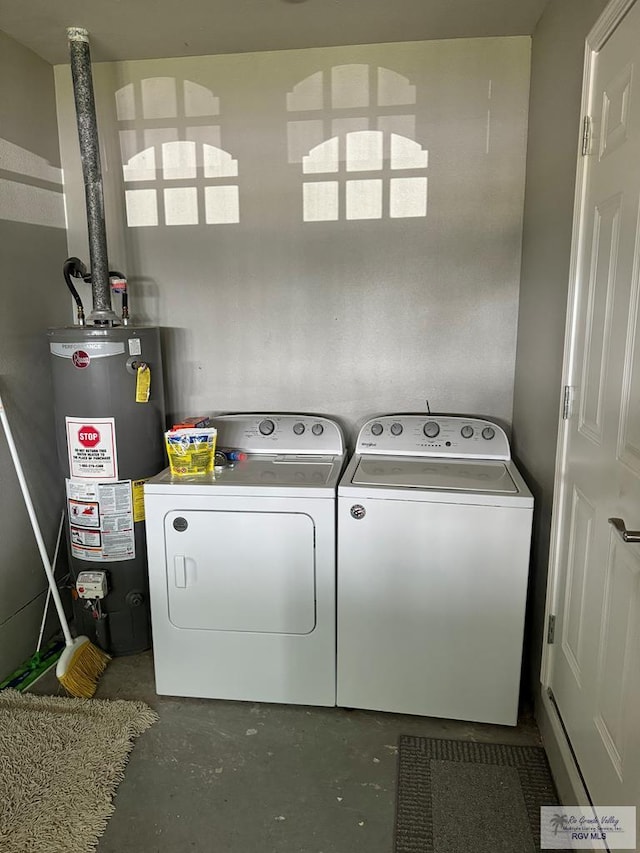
[434,530]
[242,566]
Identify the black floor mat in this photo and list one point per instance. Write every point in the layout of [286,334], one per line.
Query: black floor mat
[457,797]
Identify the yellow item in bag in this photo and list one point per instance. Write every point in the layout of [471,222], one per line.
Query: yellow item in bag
[191,451]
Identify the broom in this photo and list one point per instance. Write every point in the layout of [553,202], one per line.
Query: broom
[81,663]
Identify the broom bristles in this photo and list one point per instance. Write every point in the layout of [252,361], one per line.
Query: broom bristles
[83,669]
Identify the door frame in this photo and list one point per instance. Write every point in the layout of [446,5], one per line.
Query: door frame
[566,772]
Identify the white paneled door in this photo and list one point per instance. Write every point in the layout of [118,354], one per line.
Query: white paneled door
[595,676]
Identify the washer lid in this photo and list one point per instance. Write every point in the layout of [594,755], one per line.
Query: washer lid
[284,470]
[420,473]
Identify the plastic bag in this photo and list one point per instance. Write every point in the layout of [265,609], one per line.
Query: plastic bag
[191,451]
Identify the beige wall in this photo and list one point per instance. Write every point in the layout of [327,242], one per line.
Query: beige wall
[348,317]
[554,121]
[32,297]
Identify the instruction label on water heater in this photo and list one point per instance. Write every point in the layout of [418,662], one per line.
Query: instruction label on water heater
[101,521]
[91,443]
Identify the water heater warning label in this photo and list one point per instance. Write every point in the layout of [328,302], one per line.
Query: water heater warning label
[91,443]
[101,521]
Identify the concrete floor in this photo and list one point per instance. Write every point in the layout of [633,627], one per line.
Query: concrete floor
[239,777]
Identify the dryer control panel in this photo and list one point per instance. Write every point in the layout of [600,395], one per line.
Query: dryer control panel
[279,433]
[450,436]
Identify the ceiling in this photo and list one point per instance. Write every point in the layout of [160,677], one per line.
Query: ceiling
[146,29]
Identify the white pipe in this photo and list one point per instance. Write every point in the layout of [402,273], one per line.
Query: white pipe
[36,527]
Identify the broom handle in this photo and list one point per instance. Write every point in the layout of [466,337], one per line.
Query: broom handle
[36,527]
[53,566]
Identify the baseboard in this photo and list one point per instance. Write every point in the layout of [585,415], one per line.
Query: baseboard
[564,769]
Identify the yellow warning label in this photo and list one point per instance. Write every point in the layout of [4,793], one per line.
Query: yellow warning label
[143,383]
[137,490]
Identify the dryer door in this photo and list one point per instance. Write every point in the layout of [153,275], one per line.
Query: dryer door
[241,571]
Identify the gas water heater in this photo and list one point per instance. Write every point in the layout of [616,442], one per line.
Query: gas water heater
[110,439]
[110,419]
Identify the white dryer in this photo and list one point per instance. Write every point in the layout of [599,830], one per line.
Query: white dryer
[434,530]
[242,566]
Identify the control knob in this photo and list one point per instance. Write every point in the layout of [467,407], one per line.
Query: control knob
[466,431]
[317,429]
[266,427]
[298,428]
[396,429]
[431,429]
[488,433]
[376,429]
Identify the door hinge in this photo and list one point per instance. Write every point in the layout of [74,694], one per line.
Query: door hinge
[551,629]
[566,402]
[586,136]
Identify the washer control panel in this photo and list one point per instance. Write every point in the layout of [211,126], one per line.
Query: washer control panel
[434,435]
[277,433]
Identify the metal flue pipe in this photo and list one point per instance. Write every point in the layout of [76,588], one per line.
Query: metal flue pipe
[102,313]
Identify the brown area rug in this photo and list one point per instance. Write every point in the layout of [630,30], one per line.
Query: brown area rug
[466,797]
[60,763]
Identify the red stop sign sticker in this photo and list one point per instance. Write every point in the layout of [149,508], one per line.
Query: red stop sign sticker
[88,436]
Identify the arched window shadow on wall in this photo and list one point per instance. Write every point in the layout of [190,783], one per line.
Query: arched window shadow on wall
[31,189]
[348,197]
[360,159]
[174,169]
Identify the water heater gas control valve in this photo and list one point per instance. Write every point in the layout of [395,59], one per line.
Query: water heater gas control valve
[92,584]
